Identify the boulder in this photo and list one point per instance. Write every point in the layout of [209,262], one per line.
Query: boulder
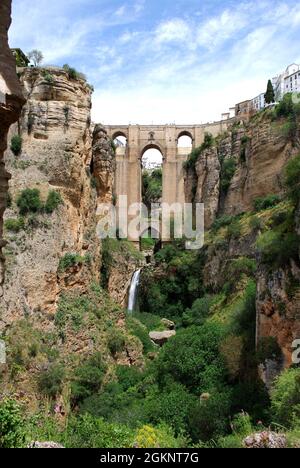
[270,440]
[168,324]
[161,338]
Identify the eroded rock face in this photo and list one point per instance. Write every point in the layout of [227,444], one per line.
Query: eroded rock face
[56,156]
[11,101]
[103,165]
[208,176]
[261,157]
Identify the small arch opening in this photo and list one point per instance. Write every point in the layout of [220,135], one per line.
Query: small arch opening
[120,142]
[152,158]
[185,141]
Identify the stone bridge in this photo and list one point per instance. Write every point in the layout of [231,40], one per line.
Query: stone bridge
[140,138]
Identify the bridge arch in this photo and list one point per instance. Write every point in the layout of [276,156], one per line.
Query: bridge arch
[185,133]
[152,146]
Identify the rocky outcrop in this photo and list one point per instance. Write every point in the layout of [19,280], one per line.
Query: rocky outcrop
[11,101]
[103,164]
[261,150]
[278,310]
[266,440]
[56,156]
[207,189]
[161,338]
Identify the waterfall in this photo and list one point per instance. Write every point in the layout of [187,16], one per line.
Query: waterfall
[133,291]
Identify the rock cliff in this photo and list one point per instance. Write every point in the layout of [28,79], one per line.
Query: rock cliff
[11,101]
[55,158]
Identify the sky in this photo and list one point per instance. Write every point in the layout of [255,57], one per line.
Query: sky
[163,61]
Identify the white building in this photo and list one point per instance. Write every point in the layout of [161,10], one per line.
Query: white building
[258,103]
[287,81]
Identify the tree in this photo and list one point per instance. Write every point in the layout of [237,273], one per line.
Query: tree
[270,94]
[36,57]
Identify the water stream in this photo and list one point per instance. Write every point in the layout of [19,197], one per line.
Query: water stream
[133,291]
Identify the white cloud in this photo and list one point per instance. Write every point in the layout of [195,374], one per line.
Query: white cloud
[172,30]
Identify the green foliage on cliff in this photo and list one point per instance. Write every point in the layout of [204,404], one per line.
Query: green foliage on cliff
[286,398]
[16,144]
[14,225]
[29,201]
[70,260]
[195,154]
[12,425]
[228,168]
[292,179]
[264,203]
[53,201]
[151,186]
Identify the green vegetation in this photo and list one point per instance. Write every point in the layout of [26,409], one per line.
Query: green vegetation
[29,201]
[70,260]
[228,168]
[292,179]
[73,74]
[14,225]
[48,77]
[264,203]
[270,94]
[195,154]
[53,201]
[50,381]
[151,186]
[286,399]
[12,427]
[16,144]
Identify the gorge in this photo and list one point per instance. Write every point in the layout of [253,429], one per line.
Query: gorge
[82,369]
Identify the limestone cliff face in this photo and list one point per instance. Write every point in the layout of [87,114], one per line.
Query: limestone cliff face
[103,165]
[11,101]
[56,156]
[260,150]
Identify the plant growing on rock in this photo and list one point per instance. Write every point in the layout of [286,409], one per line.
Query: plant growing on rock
[29,201]
[53,201]
[16,144]
[12,425]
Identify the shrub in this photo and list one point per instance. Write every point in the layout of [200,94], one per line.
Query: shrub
[88,432]
[286,398]
[29,201]
[12,426]
[264,203]
[221,222]
[161,437]
[116,341]
[286,107]
[88,378]
[53,201]
[70,260]
[140,331]
[256,223]
[234,230]
[242,266]
[198,312]
[292,179]
[50,381]
[16,144]
[172,405]
[210,419]
[195,154]
[276,248]
[227,172]
[177,358]
[73,74]
[14,225]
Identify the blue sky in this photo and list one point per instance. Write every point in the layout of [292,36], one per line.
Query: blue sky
[163,61]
